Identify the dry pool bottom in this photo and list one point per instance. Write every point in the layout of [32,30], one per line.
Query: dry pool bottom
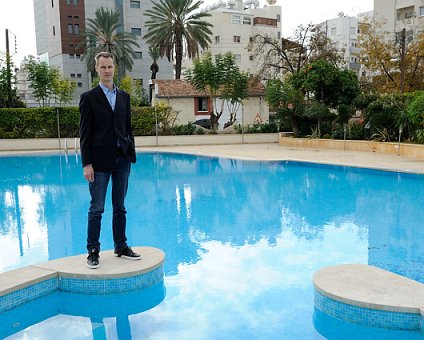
[95,293]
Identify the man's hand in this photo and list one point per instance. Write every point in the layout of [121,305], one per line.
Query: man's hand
[89,173]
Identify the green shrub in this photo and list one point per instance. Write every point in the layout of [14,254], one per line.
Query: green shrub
[356,131]
[188,129]
[419,136]
[260,128]
[38,122]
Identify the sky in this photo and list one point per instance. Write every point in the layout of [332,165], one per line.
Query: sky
[18,17]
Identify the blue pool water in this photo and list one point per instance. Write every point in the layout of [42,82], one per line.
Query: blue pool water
[242,241]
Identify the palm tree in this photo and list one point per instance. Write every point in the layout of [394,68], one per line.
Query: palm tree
[176,25]
[154,54]
[104,34]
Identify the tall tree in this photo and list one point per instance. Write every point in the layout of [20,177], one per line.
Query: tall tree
[175,26]
[327,86]
[287,100]
[289,55]
[393,63]
[104,34]
[219,79]
[154,54]
[63,90]
[8,94]
[43,79]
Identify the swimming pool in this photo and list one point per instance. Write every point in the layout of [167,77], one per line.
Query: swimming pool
[242,238]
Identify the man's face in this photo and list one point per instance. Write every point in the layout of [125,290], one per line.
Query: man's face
[105,69]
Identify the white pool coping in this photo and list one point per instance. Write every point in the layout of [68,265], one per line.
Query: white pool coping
[370,287]
[75,267]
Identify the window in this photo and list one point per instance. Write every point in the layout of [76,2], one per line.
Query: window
[70,18]
[236,39]
[278,35]
[247,21]
[72,75]
[217,39]
[76,17]
[79,75]
[70,28]
[202,104]
[78,56]
[72,56]
[278,17]
[237,57]
[54,30]
[76,29]
[134,4]
[68,2]
[236,19]
[251,57]
[333,31]
[136,31]
[352,30]
[422,10]
[75,2]
[52,4]
[79,84]
[138,55]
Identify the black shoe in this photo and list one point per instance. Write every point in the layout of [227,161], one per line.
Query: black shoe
[93,259]
[127,253]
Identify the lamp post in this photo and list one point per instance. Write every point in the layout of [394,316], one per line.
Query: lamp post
[8,72]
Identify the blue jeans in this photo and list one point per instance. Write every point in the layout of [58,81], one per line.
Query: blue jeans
[120,174]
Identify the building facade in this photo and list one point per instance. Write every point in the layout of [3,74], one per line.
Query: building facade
[397,15]
[193,105]
[343,32]
[234,25]
[58,24]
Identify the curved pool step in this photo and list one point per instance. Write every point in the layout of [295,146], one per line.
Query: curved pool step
[71,274]
[369,296]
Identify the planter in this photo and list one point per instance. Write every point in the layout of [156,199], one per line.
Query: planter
[403,149]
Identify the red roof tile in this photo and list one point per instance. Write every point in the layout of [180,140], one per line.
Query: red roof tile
[182,88]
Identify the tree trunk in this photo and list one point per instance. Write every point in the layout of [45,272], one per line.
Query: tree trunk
[178,56]
[295,125]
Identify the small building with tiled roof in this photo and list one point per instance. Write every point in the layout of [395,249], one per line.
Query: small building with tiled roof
[193,105]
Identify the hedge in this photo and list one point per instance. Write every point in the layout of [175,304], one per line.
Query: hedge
[42,122]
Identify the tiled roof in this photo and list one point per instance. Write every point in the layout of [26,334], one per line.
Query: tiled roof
[182,88]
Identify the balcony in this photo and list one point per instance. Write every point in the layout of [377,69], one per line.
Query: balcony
[265,21]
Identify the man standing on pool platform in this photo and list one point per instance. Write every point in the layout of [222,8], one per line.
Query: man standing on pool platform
[107,150]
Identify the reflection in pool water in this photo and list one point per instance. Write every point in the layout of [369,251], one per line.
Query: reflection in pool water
[242,238]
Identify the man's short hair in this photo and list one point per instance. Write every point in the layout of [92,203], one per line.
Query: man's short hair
[104,55]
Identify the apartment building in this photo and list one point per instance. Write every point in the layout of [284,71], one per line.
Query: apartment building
[343,32]
[235,23]
[397,15]
[58,24]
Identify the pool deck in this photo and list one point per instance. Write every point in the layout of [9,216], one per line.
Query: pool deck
[354,284]
[274,151]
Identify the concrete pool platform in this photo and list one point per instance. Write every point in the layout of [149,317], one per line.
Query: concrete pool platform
[368,295]
[71,274]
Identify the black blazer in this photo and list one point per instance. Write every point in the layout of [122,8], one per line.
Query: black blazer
[101,128]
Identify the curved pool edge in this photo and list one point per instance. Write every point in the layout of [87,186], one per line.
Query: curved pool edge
[369,296]
[70,274]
